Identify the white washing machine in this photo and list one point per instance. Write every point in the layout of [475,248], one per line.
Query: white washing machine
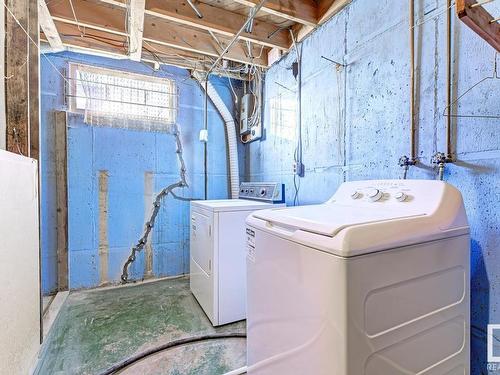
[218,249]
[375,281]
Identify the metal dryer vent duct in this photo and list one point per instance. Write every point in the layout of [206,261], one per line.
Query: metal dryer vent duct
[231,140]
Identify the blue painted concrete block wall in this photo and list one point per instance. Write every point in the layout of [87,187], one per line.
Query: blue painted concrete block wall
[126,155]
[356,123]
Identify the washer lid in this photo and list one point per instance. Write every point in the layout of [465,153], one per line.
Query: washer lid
[367,216]
[328,219]
[218,205]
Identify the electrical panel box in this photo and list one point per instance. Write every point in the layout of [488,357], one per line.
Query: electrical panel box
[246,111]
[250,122]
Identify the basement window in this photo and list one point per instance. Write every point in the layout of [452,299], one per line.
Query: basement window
[114,98]
[282,117]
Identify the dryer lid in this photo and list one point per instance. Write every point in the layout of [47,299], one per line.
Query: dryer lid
[330,218]
[218,205]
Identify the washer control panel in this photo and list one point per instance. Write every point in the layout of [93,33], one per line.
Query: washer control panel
[371,192]
[271,192]
[374,194]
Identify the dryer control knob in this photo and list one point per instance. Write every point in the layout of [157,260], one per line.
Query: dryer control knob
[355,194]
[400,196]
[263,192]
[375,195]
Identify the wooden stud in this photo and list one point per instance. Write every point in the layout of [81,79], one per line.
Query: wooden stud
[479,20]
[61,198]
[21,70]
[33,80]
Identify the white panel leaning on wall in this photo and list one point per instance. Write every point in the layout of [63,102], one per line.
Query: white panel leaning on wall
[19,267]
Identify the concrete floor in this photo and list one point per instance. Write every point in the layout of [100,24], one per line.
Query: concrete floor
[96,329]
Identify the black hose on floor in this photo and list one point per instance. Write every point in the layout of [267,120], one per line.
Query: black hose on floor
[169,345]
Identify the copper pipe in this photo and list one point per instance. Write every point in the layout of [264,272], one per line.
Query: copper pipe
[449,156]
[413,153]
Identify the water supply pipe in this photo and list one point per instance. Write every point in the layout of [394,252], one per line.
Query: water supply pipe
[413,153]
[405,161]
[232,141]
[439,158]
[449,153]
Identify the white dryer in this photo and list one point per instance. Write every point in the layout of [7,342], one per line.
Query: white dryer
[217,249]
[375,281]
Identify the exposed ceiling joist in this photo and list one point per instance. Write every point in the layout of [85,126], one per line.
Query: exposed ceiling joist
[300,11]
[136,26]
[94,16]
[326,10]
[216,20]
[185,61]
[48,27]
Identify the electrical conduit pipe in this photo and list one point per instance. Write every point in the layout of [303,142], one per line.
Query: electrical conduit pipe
[231,140]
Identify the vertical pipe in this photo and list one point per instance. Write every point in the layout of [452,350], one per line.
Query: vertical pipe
[205,169]
[412,82]
[299,102]
[448,82]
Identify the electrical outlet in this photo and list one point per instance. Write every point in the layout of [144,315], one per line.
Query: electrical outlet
[298,169]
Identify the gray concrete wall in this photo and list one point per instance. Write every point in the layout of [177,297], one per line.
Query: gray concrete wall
[356,123]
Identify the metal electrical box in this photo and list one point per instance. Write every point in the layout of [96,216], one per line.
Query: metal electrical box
[246,111]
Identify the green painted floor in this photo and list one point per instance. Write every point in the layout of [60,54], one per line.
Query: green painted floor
[96,329]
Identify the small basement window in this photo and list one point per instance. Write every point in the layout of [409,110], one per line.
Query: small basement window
[121,99]
[282,116]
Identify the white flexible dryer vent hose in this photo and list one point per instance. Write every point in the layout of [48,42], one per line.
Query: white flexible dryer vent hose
[232,142]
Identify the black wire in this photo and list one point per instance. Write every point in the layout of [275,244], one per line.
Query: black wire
[169,345]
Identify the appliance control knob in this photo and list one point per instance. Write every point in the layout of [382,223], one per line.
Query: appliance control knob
[375,195]
[355,194]
[262,192]
[400,196]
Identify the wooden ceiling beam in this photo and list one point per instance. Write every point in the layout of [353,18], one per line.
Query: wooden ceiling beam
[136,27]
[219,21]
[304,12]
[48,27]
[111,20]
[171,57]
[328,8]
[216,20]
[479,20]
